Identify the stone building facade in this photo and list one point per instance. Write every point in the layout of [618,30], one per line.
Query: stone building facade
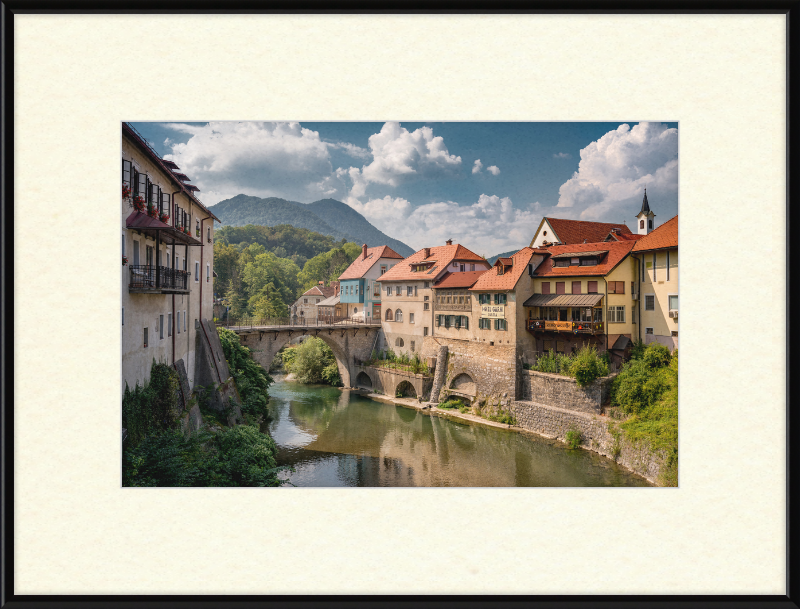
[167,287]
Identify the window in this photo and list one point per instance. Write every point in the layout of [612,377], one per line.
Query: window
[560,287]
[412,346]
[411,318]
[616,315]
[586,314]
[426,306]
[484,324]
[576,287]
[383,269]
[561,262]
[169,324]
[500,299]
[591,287]
[135,252]
[438,320]
[598,314]
[398,315]
[398,342]
[409,290]
[305,300]
[145,337]
[641,223]
[648,331]
[389,315]
[197,271]
[673,302]
[388,290]
[649,224]
[462,268]
[425,331]
[455,265]
[545,287]
[649,302]
[588,261]
[675,333]
[185,263]
[500,324]
[425,286]
[616,287]
[160,326]
[178,322]
[576,314]
[184,320]
[148,255]
[197,227]
[208,272]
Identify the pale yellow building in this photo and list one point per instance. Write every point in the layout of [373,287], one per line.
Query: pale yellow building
[656,257]
[167,238]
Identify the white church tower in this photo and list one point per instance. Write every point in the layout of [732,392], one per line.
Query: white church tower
[645,217]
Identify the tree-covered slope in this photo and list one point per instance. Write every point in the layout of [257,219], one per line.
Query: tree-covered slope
[493,259]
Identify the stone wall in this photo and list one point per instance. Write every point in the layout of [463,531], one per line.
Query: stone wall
[492,369]
[564,392]
[553,422]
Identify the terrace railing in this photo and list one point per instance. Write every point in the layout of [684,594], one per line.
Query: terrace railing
[157,278]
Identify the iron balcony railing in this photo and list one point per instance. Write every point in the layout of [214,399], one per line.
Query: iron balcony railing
[272,323]
[151,277]
[577,327]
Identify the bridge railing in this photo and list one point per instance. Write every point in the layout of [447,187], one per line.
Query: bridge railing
[323,321]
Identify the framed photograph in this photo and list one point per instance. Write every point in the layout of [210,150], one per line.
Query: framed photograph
[368,252]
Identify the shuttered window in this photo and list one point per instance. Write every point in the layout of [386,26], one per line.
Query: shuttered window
[592,287]
[127,170]
[500,324]
[560,287]
[576,287]
[545,287]
[141,185]
[165,202]
[649,302]
[465,322]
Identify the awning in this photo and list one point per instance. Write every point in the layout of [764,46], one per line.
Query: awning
[621,343]
[154,227]
[563,300]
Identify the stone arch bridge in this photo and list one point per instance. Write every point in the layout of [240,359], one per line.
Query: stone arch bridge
[348,342]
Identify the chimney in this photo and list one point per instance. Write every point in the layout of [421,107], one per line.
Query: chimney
[322,283]
[449,242]
[364,252]
[427,252]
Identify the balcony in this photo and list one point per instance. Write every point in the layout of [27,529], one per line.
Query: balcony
[150,279]
[576,327]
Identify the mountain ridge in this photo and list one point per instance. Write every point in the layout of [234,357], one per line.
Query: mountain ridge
[326,216]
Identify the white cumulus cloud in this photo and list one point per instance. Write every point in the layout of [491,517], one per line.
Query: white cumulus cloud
[489,226]
[256,158]
[562,155]
[493,169]
[476,168]
[614,170]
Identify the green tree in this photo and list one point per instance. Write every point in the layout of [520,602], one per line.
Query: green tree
[313,362]
[327,266]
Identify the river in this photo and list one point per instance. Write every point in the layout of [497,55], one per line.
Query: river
[341,438]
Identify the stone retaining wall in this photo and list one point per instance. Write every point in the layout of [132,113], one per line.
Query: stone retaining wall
[553,422]
[564,392]
[387,381]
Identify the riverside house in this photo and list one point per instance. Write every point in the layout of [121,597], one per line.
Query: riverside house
[408,296]
[305,307]
[360,283]
[167,262]
[657,261]
[585,294]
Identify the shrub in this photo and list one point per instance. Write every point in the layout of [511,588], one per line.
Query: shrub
[586,366]
[451,404]
[656,355]
[314,362]
[573,437]
[637,349]
[153,406]
[553,363]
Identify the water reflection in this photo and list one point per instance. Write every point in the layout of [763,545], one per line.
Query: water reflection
[339,438]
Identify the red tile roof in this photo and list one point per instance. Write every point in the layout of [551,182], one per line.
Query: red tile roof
[617,251]
[441,257]
[491,280]
[319,290]
[626,237]
[575,231]
[360,265]
[664,237]
[459,280]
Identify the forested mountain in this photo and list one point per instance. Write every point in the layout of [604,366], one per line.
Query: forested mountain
[342,217]
[328,216]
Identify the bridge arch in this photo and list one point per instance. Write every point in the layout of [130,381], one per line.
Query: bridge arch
[405,389]
[363,380]
[464,383]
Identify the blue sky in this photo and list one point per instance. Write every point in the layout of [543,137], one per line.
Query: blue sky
[485,185]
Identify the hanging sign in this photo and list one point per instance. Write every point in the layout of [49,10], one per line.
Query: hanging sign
[493,311]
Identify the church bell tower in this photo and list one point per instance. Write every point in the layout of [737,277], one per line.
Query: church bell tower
[645,217]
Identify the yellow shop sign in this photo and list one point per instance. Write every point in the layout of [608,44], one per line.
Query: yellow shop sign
[493,311]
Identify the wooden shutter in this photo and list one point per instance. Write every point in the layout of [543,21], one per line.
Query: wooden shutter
[620,287]
[545,287]
[127,168]
[560,287]
[592,287]
[141,188]
[612,286]
[465,322]
[175,214]
[576,287]
[165,202]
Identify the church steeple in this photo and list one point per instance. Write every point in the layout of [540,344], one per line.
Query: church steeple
[645,217]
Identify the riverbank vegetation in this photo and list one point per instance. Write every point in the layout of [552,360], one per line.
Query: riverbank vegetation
[584,366]
[252,380]
[645,395]
[389,359]
[312,361]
